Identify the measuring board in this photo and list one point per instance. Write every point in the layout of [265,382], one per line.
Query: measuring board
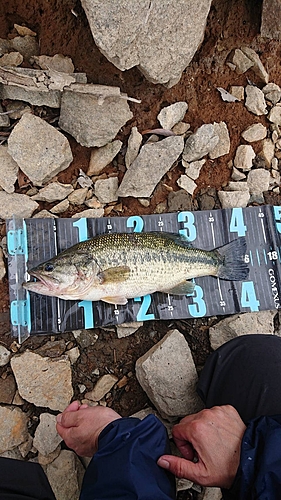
[33,241]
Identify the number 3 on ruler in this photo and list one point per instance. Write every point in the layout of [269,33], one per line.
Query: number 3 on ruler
[198,308]
[189,230]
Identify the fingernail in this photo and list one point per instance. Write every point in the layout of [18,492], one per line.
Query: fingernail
[163,463]
[59,417]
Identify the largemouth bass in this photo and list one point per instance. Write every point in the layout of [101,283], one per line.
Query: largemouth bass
[118,266]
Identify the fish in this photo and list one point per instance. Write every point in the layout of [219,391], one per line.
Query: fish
[115,267]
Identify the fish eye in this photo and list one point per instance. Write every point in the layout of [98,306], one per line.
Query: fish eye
[48,267]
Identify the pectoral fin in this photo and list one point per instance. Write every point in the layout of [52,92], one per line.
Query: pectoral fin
[122,301]
[114,275]
[183,288]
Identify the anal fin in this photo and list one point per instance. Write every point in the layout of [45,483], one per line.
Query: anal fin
[121,301]
[183,288]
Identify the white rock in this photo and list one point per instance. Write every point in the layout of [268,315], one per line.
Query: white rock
[16,204]
[237,186]
[232,199]
[238,92]
[91,212]
[39,149]
[168,375]
[255,132]
[241,61]
[53,192]
[101,157]
[255,101]
[78,196]
[193,169]
[241,324]
[102,387]
[60,207]
[43,381]
[127,329]
[13,428]
[258,67]
[267,152]
[46,439]
[244,157]
[171,115]
[5,355]
[258,181]
[274,115]
[202,142]
[223,146]
[8,170]
[187,184]
[73,354]
[106,189]
[237,175]
[134,144]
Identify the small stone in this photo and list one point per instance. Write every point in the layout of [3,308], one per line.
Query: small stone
[237,175]
[58,62]
[179,201]
[7,389]
[53,192]
[258,67]
[44,214]
[255,100]
[255,132]
[18,205]
[274,163]
[127,329]
[238,92]
[144,202]
[13,428]
[202,142]
[48,459]
[258,181]
[181,128]
[223,146]
[102,387]
[52,349]
[161,207]
[134,144]
[244,157]
[232,199]
[4,355]
[90,213]
[64,475]
[171,115]
[11,59]
[18,108]
[241,62]
[73,354]
[101,157]
[85,338]
[60,207]
[274,115]
[237,186]
[267,152]
[187,184]
[27,45]
[106,189]
[78,196]
[93,203]
[8,170]
[46,439]
[24,30]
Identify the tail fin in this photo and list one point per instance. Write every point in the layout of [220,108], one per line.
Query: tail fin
[233,266]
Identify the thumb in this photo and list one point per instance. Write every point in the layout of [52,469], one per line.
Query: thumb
[180,467]
[68,419]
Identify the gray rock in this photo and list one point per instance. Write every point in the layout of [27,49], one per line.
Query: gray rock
[78,196]
[13,428]
[93,121]
[16,204]
[255,101]
[152,163]
[4,119]
[17,109]
[232,199]
[193,169]
[134,144]
[44,214]
[85,338]
[168,375]
[179,201]
[161,39]
[101,157]
[171,115]
[258,67]
[8,170]
[91,212]
[244,157]
[241,324]
[255,132]
[26,45]
[106,189]
[258,181]
[202,142]
[47,459]
[274,115]
[53,192]
[73,355]
[60,207]
[241,62]
[271,16]
[223,146]
[5,355]
[39,149]
[46,438]
[64,475]
[43,381]
[187,184]
[237,186]
[211,494]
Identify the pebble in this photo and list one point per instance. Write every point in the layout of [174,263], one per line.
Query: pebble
[78,196]
[179,201]
[267,152]
[241,62]
[24,30]
[65,475]
[11,59]
[73,354]
[134,144]
[274,115]
[19,205]
[258,181]
[53,192]
[101,157]
[46,439]
[4,119]
[237,175]
[202,142]
[258,67]
[106,190]
[238,92]
[102,387]
[4,355]
[244,157]
[232,199]
[13,428]
[18,108]
[255,100]
[187,184]
[255,132]
[126,329]
[223,146]
[8,170]
[44,214]
[238,186]
[171,115]
[61,207]
[7,389]
[58,62]
[181,128]
[27,45]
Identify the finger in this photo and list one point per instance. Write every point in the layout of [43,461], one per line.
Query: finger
[181,467]
[68,419]
[185,448]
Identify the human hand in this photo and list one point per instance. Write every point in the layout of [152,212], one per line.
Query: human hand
[213,437]
[80,426]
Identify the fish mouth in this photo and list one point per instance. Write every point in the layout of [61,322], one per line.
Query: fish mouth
[49,283]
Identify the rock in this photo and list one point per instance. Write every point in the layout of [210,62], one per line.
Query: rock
[271,16]
[241,62]
[237,186]
[181,128]
[267,152]
[168,375]
[244,157]
[5,355]
[78,196]
[106,189]
[102,387]
[151,164]
[24,30]
[39,149]
[13,428]
[232,199]
[274,115]
[16,204]
[241,324]
[46,439]
[238,92]
[14,454]
[144,36]
[48,459]
[91,212]
[94,203]
[73,355]
[202,142]
[93,121]
[255,101]
[211,494]
[179,201]
[127,329]
[64,475]
[237,175]
[171,115]
[43,381]
[8,170]
[27,45]
[52,349]
[134,144]
[60,207]
[258,67]
[187,184]
[44,214]
[255,132]
[4,119]
[58,62]
[85,338]
[223,146]
[18,108]
[272,92]
[101,157]
[11,59]
[193,169]
[7,389]
[26,446]
[258,181]
[53,192]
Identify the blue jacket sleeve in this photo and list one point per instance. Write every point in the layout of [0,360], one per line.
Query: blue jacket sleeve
[259,473]
[125,467]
